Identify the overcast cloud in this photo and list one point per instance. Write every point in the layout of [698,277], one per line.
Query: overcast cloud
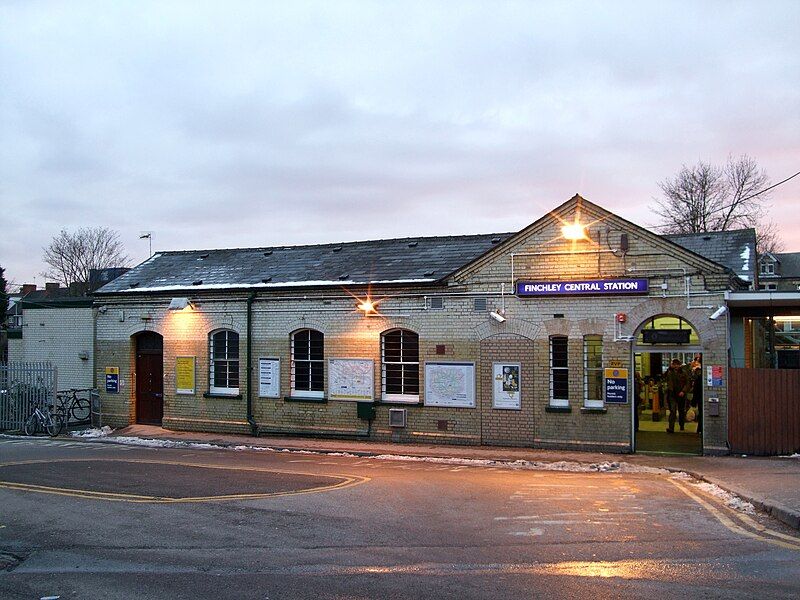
[249,124]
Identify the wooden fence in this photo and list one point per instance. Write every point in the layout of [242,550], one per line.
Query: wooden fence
[764,411]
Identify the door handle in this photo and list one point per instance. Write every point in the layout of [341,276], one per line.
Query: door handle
[158,395]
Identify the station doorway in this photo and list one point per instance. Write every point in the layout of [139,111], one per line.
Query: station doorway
[659,425]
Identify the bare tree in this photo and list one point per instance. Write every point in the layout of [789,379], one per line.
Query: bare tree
[705,197]
[70,256]
[767,238]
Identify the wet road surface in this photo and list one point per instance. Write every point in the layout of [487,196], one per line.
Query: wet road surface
[91,520]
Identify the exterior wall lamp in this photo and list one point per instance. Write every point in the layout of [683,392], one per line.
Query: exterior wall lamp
[574,231]
[181,304]
[367,306]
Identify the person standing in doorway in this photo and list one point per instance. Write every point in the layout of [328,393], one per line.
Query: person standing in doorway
[678,385]
[697,396]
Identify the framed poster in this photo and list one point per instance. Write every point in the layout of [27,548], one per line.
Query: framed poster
[506,385]
[184,374]
[351,379]
[269,378]
[450,384]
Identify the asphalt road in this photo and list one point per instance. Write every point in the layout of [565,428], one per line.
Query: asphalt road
[92,520]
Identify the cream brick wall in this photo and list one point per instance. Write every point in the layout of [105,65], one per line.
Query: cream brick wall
[60,336]
[462,333]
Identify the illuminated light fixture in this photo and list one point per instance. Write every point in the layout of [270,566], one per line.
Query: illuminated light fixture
[574,231]
[368,306]
[181,304]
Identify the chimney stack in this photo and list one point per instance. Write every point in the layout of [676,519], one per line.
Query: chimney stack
[27,288]
[51,287]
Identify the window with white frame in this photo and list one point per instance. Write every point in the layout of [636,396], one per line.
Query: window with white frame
[308,363]
[593,371]
[770,287]
[559,371]
[767,267]
[400,366]
[223,361]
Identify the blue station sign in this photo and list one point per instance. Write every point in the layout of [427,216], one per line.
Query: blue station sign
[589,287]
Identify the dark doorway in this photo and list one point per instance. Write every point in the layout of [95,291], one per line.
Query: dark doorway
[149,378]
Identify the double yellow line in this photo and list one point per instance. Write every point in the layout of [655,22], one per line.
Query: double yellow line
[770,536]
[343,481]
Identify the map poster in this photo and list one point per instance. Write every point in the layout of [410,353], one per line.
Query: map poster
[351,379]
[450,384]
[506,385]
[184,375]
[269,378]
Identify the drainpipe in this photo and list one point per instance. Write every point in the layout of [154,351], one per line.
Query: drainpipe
[250,419]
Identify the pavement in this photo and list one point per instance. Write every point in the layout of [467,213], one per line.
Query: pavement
[771,484]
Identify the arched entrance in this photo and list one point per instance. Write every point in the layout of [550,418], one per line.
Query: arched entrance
[664,424]
[149,377]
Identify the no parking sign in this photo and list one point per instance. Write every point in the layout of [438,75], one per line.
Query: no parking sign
[616,385]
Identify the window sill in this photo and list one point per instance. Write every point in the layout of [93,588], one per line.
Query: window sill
[558,409]
[305,399]
[225,396]
[398,403]
[587,410]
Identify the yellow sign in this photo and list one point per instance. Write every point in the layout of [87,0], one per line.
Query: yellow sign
[616,373]
[616,364]
[184,374]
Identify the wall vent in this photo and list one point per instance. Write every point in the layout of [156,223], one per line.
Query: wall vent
[397,417]
[437,302]
[479,305]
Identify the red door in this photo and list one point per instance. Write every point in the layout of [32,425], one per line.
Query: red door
[149,378]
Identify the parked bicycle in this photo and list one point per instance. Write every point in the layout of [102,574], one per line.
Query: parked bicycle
[72,407]
[44,420]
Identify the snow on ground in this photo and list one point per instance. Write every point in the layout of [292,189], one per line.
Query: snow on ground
[730,500]
[564,466]
[92,433]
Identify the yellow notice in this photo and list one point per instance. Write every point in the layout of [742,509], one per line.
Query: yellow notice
[616,364]
[616,373]
[184,374]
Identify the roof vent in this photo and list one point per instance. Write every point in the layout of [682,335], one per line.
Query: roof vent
[706,237]
[198,282]
[337,249]
[202,256]
[266,280]
[344,276]
[413,244]
[429,273]
[134,284]
[496,240]
[268,253]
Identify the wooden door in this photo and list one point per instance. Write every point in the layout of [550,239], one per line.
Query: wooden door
[149,378]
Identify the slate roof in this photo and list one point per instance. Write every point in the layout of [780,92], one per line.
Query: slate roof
[735,249]
[790,264]
[405,260]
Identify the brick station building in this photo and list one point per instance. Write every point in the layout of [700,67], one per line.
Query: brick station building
[522,339]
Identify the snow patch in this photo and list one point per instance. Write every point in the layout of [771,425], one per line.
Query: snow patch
[92,433]
[745,256]
[277,284]
[730,500]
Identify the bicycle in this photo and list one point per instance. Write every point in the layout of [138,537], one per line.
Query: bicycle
[72,408]
[46,421]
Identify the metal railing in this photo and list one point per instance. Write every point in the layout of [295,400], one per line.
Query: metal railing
[22,386]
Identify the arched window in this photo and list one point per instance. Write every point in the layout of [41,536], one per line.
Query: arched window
[223,362]
[559,371]
[400,366]
[308,363]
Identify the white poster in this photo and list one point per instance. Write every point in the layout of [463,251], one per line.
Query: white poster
[351,379]
[269,377]
[450,384]
[506,385]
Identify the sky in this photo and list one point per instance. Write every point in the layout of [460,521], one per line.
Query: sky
[236,124]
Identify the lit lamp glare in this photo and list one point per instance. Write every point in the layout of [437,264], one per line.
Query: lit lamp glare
[367,306]
[573,231]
